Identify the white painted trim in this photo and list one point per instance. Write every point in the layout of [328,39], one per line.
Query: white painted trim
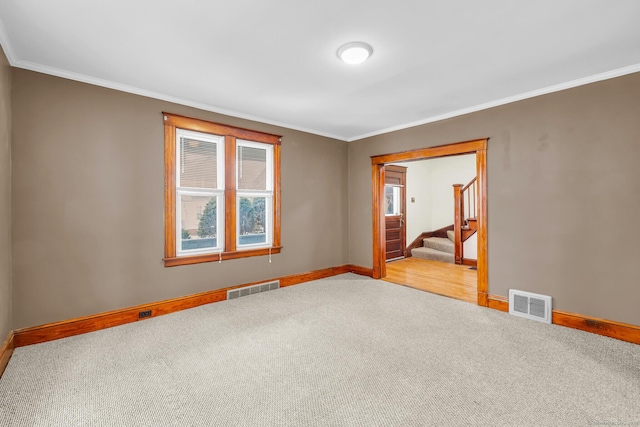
[549,89]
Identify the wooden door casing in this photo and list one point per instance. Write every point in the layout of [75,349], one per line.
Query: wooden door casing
[477,146]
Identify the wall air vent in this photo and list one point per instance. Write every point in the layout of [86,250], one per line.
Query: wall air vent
[529,305]
[255,289]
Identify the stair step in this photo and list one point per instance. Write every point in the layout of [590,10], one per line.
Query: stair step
[439,243]
[432,254]
[451,235]
[472,224]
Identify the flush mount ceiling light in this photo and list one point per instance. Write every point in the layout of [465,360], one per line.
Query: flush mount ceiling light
[355,52]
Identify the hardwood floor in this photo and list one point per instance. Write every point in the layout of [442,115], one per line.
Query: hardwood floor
[450,280]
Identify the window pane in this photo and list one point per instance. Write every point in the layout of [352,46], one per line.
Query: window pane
[392,200]
[198,163]
[252,220]
[199,222]
[252,168]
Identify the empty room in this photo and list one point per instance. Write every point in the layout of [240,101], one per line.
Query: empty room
[319,213]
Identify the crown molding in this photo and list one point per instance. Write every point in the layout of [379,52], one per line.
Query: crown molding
[31,66]
[6,45]
[532,94]
[27,65]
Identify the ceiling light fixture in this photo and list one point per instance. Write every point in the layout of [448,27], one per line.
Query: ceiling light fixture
[355,52]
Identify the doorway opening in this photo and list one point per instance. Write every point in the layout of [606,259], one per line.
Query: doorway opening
[379,200]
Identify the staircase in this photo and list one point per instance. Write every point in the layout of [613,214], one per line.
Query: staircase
[436,248]
[434,245]
[469,229]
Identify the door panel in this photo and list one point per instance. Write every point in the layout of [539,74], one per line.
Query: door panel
[395,209]
[393,234]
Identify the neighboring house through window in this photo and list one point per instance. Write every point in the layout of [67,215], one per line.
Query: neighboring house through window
[222,192]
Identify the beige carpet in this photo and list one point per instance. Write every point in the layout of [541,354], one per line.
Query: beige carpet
[345,351]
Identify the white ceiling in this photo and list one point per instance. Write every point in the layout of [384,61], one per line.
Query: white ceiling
[275,60]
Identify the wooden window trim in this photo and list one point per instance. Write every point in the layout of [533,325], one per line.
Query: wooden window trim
[231,134]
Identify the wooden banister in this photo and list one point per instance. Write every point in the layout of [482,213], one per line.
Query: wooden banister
[468,185]
[463,212]
[458,209]
[470,191]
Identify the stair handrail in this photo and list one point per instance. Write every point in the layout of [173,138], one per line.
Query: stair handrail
[461,215]
[470,190]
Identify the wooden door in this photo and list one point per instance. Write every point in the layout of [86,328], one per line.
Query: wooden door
[395,211]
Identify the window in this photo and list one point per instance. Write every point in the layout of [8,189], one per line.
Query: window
[392,200]
[222,194]
[199,182]
[254,193]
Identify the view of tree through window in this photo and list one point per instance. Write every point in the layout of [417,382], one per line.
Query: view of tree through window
[198,223]
[252,220]
[208,221]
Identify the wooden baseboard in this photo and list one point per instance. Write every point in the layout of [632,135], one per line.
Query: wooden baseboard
[498,303]
[470,262]
[5,352]
[363,271]
[608,328]
[96,322]
[295,279]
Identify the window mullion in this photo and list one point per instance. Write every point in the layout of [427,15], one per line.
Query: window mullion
[276,195]
[230,193]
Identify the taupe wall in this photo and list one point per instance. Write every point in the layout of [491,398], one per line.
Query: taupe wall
[5,197]
[87,193]
[88,203]
[563,191]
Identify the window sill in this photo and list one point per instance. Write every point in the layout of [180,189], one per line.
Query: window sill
[197,259]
